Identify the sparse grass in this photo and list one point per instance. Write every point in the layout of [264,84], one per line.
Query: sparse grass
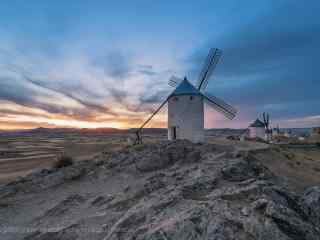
[289,155]
[63,161]
[138,147]
[317,169]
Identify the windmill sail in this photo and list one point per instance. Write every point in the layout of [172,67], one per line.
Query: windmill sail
[208,68]
[174,81]
[222,103]
[138,132]
[205,66]
[221,106]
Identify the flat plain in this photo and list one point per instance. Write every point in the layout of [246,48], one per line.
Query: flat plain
[22,155]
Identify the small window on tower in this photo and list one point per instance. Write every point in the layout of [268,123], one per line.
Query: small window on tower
[176,98]
[191,97]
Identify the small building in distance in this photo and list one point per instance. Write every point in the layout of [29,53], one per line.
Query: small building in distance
[257,129]
[276,132]
[315,131]
[315,135]
[287,133]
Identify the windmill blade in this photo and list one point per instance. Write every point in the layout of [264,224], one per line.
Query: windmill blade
[220,109]
[221,106]
[174,81]
[138,132]
[205,66]
[222,103]
[211,68]
[208,68]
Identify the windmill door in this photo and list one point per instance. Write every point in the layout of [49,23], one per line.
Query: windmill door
[173,133]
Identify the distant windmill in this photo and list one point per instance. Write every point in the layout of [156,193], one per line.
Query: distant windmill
[186,104]
[266,120]
[257,129]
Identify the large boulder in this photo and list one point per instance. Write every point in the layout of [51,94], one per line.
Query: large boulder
[243,169]
[155,157]
[310,202]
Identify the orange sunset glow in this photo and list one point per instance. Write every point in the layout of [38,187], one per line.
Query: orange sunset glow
[21,117]
[79,69]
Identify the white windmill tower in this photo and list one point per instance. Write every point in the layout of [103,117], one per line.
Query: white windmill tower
[186,104]
[257,129]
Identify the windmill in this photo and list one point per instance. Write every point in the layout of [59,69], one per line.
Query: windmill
[266,120]
[186,104]
[257,129]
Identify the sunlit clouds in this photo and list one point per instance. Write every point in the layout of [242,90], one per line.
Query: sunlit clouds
[91,65]
[77,92]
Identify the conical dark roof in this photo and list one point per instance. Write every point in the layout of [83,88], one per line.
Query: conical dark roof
[257,123]
[185,88]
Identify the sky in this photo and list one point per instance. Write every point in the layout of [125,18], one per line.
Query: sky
[92,64]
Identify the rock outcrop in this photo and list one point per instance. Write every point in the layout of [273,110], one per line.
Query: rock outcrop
[170,190]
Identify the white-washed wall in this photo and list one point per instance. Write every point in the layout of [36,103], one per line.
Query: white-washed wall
[185,112]
[257,132]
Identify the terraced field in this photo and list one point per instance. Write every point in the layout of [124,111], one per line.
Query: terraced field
[22,155]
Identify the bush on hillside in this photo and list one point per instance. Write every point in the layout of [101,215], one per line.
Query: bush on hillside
[63,161]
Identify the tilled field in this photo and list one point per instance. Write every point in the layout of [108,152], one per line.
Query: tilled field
[22,155]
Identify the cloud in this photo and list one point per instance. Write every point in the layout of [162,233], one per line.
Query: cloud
[13,90]
[66,95]
[271,61]
[156,97]
[147,70]
[90,73]
[115,64]
[5,125]
[72,89]
[312,121]
[85,103]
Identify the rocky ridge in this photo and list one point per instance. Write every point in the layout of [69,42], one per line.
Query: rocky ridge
[169,190]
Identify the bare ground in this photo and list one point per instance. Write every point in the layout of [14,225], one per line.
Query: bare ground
[169,190]
[21,156]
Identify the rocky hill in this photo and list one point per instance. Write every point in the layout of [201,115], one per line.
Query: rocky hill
[169,190]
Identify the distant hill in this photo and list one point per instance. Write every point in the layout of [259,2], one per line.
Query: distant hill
[150,130]
[101,130]
[297,131]
[145,131]
[224,131]
[57,131]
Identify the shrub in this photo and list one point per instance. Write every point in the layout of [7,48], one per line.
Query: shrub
[63,161]
[139,147]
